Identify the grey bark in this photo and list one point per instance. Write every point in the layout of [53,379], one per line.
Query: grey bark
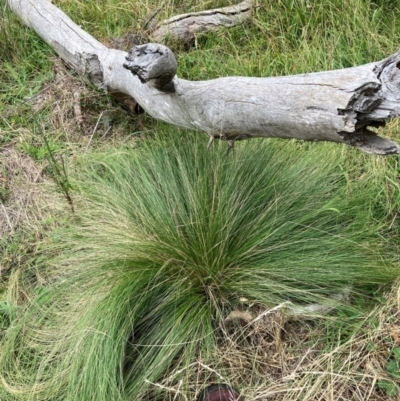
[186,26]
[337,106]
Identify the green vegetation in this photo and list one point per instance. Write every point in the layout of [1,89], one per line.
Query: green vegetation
[165,246]
[393,368]
[125,244]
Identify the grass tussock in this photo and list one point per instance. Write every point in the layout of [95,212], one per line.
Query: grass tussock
[169,240]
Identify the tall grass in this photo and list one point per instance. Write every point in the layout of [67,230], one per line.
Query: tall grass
[169,237]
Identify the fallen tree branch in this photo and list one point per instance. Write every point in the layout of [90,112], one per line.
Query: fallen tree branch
[337,106]
[184,27]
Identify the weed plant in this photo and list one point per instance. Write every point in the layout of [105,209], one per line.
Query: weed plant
[169,238]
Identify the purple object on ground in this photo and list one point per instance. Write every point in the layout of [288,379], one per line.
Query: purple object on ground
[219,392]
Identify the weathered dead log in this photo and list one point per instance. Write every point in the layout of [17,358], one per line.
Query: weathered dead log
[185,26]
[337,106]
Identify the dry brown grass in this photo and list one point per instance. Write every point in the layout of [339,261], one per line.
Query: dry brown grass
[31,205]
[79,113]
[284,360]
[67,110]
[31,197]
[71,103]
[25,188]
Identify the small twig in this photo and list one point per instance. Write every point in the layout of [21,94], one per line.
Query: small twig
[77,108]
[211,141]
[177,391]
[108,130]
[151,18]
[231,144]
[7,218]
[94,130]
[174,390]
[267,312]
[323,308]
[213,371]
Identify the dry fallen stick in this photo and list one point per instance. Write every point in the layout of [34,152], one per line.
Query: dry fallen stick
[184,27]
[337,106]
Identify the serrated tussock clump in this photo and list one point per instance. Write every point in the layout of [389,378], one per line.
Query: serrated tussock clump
[167,239]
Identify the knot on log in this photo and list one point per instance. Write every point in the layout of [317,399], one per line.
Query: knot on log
[153,62]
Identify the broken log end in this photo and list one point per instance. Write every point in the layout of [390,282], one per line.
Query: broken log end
[153,63]
[376,145]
